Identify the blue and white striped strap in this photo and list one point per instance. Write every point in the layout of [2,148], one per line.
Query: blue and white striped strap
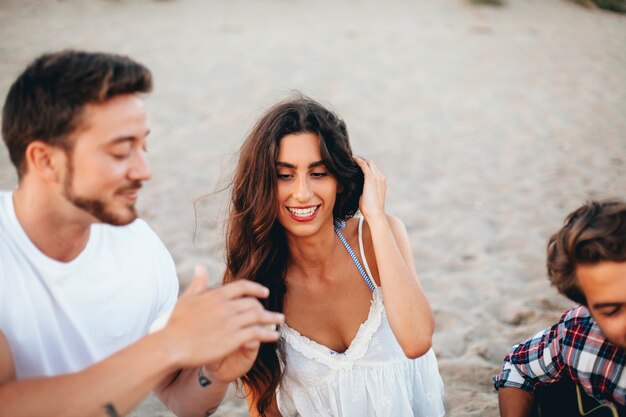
[340,224]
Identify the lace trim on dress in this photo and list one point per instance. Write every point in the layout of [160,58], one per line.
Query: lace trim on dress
[357,349]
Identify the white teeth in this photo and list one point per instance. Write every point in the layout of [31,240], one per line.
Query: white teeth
[306,212]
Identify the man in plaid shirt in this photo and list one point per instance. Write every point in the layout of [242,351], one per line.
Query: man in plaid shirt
[586,263]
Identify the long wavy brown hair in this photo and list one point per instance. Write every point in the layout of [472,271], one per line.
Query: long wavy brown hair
[255,241]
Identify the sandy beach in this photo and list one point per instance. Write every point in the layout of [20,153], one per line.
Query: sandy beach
[490,123]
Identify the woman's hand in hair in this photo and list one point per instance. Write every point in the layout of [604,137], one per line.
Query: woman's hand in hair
[372,202]
[406,305]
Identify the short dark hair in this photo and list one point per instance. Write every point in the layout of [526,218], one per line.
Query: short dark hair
[593,233]
[46,101]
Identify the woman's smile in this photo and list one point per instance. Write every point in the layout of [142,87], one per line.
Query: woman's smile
[305,190]
[303,214]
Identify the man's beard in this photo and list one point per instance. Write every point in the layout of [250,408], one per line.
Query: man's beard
[96,207]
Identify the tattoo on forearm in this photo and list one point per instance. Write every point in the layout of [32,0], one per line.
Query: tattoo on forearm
[110,410]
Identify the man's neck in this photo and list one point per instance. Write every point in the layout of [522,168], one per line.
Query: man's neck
[56,228]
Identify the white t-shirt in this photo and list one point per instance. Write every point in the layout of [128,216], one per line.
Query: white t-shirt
[61,317]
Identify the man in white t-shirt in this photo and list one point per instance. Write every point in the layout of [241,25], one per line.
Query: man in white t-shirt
[82,280]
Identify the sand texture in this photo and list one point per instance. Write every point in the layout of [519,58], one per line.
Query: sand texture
[491,124]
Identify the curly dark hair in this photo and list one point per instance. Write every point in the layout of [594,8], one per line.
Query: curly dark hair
[593,233]
[255,241]
[46,101]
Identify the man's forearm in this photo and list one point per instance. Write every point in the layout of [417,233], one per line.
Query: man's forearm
[186,397]
[515,402]
[109,388]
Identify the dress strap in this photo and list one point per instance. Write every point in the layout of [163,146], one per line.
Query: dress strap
[340,224]
[362,250]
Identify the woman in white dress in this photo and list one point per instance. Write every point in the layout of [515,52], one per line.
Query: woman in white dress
[358,327]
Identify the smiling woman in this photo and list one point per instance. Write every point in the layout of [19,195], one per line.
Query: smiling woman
[342,351]
[305,190]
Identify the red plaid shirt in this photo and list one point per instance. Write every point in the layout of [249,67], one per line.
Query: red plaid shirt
[573,348]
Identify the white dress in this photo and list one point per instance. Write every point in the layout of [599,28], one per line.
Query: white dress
[372,378]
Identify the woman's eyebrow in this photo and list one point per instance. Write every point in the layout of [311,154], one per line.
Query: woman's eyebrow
[288,165]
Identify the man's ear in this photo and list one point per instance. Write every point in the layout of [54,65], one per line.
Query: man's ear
[45,161]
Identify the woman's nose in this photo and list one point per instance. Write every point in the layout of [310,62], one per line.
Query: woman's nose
[302,191]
